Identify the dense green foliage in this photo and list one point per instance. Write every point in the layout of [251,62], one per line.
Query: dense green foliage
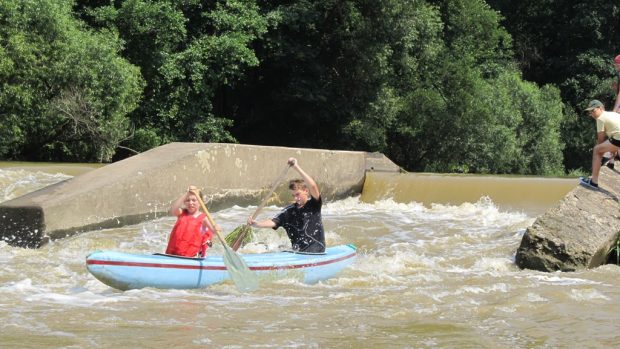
[65,91]
[189,53]
[436,85]
[570,44]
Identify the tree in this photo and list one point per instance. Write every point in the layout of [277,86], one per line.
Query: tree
[468,109]
[570,44]
[65,91]
[188,52]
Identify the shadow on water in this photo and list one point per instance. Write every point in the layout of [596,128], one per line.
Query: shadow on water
[531,195]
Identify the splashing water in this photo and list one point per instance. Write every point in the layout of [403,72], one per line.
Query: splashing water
[15,183]
[437,276]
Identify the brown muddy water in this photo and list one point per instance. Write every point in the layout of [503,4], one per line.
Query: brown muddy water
[435,270]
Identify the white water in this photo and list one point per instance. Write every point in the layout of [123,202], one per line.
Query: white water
[426,277]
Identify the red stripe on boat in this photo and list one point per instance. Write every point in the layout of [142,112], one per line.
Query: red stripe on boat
[208,267]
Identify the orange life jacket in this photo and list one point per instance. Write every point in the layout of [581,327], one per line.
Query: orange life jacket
[187,237]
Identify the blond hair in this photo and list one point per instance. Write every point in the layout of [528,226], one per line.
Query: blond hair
[197,193]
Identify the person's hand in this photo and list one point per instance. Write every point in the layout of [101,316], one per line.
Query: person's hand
[292,161]
[250,221]
[194,190]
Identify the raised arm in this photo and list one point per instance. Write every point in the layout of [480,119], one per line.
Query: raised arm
[313,188]
[177,205]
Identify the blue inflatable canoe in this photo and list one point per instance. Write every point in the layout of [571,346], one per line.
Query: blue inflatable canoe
[126,271]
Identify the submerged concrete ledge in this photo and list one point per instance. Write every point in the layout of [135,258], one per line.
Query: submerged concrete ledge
[141,188]
[578,232]
[529,194]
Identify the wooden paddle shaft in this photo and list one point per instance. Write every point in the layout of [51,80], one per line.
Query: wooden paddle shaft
[204,208]
[239,272]
[273,188]
[246,228]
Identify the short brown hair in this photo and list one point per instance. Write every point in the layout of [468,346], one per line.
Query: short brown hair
[297,184]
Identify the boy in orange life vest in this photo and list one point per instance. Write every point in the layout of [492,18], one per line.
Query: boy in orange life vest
[192,233]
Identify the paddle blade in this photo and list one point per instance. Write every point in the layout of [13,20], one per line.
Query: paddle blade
[245,279]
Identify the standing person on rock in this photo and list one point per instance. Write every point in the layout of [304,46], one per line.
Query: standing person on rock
[302,220]
[607,124]
[609,158]
[616,107]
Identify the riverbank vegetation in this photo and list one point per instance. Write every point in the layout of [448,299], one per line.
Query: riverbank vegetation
[437,85]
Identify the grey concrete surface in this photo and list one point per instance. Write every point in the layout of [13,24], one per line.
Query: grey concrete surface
[142,187]
[578,232]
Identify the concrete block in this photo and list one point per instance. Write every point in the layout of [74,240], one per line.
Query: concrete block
[142,187]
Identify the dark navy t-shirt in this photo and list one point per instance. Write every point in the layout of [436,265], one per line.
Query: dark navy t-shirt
[304,226]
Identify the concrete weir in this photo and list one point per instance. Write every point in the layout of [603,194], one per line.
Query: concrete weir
[142,187]
[578,232]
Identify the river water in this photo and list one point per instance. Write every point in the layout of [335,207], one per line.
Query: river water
[428,275]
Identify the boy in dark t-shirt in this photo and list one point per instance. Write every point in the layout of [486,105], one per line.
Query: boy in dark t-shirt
[301,220]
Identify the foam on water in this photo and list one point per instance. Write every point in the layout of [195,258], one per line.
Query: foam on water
[587,295]
[433,276]
[15,183]
[403,243]
[560,279]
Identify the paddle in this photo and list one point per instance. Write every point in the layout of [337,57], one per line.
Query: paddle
[246,229]
[242,276]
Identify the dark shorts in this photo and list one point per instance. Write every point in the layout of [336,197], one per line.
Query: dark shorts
[614,142]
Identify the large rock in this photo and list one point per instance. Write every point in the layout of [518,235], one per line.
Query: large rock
[578,232]
[141,188]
